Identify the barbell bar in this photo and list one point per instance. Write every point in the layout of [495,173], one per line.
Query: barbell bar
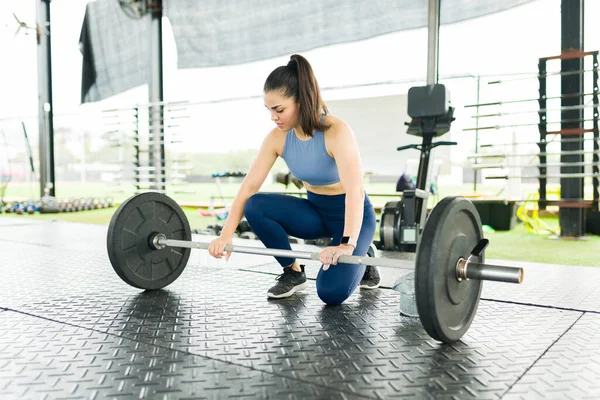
[542,98]
[547,176]
[544,75]
[558,140]
[544,165]
[538,111]
[541,153]
[484,128]
[467,270]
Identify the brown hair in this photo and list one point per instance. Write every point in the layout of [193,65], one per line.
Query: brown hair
[297,80]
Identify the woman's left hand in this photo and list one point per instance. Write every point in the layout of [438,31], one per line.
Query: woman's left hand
[330,255]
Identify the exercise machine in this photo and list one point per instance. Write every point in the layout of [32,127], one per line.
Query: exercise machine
[431,116]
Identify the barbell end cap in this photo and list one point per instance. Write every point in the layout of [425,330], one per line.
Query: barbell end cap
[154,241]
[521,275]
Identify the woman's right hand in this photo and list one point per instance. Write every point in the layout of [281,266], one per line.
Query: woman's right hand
[216,248]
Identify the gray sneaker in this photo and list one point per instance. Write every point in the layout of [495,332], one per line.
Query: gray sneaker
[371,278]
[288,283]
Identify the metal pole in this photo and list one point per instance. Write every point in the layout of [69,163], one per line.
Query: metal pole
[571,220]
[45,108]
[475,171]
[433,36]
[596,136]
[155,91]
[433,33]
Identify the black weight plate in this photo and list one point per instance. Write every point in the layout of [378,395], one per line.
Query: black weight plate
[129,250]
[446,305]
[389,227]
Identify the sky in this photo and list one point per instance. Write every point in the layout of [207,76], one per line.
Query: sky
[509,42]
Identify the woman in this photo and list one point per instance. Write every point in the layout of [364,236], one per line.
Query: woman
[320,150]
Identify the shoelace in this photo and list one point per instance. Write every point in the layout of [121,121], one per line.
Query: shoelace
[278,277]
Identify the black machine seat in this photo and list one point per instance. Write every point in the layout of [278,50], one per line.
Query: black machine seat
[428,101]
[430,110]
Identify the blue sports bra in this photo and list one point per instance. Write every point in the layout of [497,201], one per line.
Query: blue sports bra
[309,161]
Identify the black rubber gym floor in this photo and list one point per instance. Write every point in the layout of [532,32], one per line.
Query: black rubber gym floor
[71,329]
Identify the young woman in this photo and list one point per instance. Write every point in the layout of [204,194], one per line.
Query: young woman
[320,150]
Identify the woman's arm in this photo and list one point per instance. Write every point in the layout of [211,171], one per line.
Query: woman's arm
[252,182]
[347,157]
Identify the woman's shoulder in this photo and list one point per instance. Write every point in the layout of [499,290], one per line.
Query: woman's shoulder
[276,134]
[336,126]
[275,139]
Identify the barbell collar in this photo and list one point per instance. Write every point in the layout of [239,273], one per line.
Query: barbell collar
[487,272]
[153,240]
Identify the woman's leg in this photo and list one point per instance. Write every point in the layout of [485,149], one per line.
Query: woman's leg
[275,216]
[336,284]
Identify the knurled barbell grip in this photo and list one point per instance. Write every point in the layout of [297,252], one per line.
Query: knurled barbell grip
[346,259]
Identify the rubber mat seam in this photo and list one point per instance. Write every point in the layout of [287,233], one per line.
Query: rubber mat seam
[540,306]
[192,354]
[27,243]
[26,224]
[542,355]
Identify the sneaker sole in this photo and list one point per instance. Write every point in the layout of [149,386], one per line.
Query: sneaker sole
[288,294]
[367,286]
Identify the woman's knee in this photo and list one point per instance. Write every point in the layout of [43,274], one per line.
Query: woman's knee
[333,295]
[335,285]
[254,205]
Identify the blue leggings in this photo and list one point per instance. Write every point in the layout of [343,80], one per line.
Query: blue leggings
[275,216]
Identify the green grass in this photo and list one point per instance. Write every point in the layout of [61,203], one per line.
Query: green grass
[202,191]
[520,245]
[103,216]
[517,244]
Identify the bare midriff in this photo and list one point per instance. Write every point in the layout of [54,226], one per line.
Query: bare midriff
[327,190]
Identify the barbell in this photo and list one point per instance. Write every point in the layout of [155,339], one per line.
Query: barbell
[149,244]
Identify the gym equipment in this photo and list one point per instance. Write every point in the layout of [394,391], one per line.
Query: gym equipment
[248,235]
[285,178]
[528,214]
[149,244]
[402,221]
[222,213]
[453,231]
[321,242]
[592,223]
[131,228]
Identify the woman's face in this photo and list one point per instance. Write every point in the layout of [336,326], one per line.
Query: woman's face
[284,110]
